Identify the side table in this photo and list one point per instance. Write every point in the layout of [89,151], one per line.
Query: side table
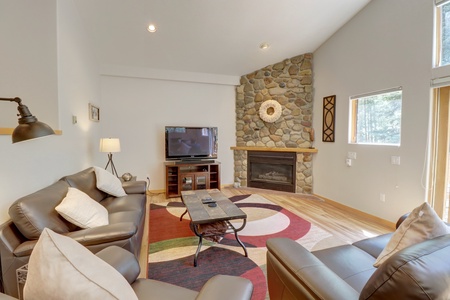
[21,274]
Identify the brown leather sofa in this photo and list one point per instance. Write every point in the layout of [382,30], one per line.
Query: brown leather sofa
[32,213]
[219,287]
[421,271]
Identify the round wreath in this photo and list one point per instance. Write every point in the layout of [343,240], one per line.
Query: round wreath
[270,111]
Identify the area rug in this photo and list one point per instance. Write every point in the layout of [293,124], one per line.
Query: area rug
[172,244]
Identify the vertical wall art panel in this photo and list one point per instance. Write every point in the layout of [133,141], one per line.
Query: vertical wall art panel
[329,105]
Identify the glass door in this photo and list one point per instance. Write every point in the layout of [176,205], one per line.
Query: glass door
[438,178]
[187,182]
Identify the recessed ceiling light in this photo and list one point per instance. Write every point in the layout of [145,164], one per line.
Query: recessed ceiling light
[151,28]
[264,46]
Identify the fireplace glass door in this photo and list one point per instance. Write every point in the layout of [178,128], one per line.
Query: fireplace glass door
[272,170]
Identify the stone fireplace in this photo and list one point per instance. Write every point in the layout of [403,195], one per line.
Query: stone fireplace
[290,84]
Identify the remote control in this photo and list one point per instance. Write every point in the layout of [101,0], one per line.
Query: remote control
[206,201]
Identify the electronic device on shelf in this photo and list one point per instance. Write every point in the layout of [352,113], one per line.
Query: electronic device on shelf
[191,143]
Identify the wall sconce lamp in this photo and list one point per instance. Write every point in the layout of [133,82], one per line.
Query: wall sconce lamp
[29,127]
[110,145]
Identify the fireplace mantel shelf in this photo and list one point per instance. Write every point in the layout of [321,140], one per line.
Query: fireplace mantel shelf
[299,150]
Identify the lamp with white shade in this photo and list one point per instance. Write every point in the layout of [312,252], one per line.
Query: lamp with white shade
[110,145]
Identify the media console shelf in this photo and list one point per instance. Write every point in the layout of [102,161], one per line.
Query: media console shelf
[188,176]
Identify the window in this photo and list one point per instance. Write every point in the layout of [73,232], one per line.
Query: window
[442,38]
[376,118]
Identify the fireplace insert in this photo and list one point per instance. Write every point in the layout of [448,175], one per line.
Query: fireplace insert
[272,170]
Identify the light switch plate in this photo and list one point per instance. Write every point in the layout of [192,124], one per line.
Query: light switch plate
[348,162]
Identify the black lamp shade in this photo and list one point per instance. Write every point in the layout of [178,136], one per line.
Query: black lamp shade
[29,126]
[29,131]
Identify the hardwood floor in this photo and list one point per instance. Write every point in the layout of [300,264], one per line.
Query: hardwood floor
[346,224]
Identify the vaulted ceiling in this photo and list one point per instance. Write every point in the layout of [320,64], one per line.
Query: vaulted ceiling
[210,36]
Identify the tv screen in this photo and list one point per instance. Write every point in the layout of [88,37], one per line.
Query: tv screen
[190,143]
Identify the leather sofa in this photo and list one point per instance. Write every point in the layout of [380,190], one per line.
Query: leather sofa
[420,271]
[219,287]
[32,213]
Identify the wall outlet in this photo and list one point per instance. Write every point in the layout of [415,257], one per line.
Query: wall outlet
[395,160]
[351,155]
[382,197]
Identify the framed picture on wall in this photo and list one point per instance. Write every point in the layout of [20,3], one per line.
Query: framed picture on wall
[94,113]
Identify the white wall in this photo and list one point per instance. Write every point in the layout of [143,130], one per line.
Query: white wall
[31,165]
[79,85]
[137,109]
[28,31]
[388,44]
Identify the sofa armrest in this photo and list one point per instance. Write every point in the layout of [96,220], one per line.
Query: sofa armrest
[122,260]
[103,234]
[87,237]
[6,297]
[294,271]
[226,287]
[10,236]
[134,187]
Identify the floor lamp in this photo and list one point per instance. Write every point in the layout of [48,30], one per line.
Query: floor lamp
[110,145]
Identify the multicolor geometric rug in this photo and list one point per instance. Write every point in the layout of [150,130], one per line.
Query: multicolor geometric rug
[172,244]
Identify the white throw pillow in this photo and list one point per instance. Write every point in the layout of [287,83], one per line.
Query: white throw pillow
[80,209]
[109,183]
[61,268]
[422,224]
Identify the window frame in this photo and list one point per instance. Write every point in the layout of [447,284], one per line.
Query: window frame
[438,33]
[353,117]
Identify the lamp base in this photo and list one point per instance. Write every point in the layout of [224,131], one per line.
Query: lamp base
[113,168]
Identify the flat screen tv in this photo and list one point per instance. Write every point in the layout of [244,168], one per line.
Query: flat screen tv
[190,143]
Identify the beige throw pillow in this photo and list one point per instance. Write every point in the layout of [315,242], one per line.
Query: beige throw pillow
[109,183]
[80,209]
[422,224]
[61,268]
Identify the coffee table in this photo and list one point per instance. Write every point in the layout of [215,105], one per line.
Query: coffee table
[203,214]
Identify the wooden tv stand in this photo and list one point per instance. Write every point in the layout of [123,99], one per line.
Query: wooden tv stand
[186,176]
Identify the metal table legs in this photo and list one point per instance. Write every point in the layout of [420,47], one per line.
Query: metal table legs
[230,227]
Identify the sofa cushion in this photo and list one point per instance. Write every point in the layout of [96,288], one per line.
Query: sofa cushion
[80,209]
[350,263]
[132,202]
[126,217]
[86,181]
[61,268]
[374,245]
[109,183]
[421,271]
[421,224]
[34,212]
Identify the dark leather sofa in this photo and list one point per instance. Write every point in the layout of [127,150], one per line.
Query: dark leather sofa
[420,271]
[32,213]
[219,287]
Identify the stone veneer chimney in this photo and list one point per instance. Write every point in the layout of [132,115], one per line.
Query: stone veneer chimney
[290,84]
